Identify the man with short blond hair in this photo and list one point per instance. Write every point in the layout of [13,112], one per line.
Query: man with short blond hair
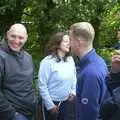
[91,72]
[17,99]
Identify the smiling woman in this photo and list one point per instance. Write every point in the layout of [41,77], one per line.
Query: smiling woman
[57,78]
[59,44]
[65,44]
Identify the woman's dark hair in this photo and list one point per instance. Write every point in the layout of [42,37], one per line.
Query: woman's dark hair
[54,44]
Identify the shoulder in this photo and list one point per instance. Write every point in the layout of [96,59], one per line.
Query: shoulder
[3,54]
[27,57]
[47,60]
[94,70]
[26,54]
[97,65]
[70,59]
[100,66]
[100,60]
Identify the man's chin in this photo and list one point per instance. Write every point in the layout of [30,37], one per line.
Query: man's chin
[15,49]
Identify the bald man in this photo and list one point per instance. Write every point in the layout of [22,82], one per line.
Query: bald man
[17,99]
[91,72]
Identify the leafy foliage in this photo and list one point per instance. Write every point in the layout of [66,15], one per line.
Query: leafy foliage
[50,16]
[44,17]
[10,12]
[109,27]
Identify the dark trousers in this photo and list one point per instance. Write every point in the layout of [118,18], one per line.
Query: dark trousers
[19,116]
[62,115]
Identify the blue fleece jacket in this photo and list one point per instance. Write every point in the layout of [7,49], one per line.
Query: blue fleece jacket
[91,86]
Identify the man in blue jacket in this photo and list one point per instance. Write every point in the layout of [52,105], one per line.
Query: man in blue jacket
[91,72]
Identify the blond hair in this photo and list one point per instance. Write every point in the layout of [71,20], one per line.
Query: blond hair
[83,30]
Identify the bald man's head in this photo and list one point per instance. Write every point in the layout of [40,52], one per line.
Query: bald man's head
[16,37]
[19,28]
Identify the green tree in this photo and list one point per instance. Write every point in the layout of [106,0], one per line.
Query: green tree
[11,12]
[109,27]
[49,16]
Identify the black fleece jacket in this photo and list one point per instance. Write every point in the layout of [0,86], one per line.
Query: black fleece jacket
[114,81]
[16,76]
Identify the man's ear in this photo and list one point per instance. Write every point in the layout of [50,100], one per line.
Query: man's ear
[79,42]
[26,37]
[7,33]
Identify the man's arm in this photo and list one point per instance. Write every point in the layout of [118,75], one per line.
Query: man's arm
[89,98]
[114,76]
[6,110]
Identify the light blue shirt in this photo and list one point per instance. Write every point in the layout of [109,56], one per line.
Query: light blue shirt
[56,80]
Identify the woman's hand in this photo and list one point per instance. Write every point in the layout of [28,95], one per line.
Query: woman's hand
[71,97]
[54,110]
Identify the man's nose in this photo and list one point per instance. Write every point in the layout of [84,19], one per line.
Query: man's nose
[17,40]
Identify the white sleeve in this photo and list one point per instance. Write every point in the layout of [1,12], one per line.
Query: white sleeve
[43,76]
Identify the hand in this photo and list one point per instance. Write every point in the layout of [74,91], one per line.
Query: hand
[71,97]
[116,63]
[54,110]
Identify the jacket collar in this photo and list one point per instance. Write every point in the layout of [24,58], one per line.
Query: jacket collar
[87,58]
[4,46]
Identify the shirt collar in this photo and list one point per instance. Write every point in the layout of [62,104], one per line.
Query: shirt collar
[87,58]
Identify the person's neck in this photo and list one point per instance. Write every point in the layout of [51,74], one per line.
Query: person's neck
[61,54]
[85,51]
